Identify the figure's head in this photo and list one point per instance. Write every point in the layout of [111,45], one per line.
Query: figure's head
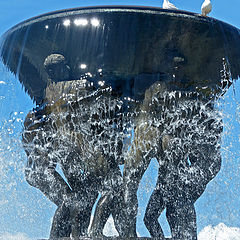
[57,68]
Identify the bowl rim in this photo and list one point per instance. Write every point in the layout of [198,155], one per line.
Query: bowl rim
[112,8]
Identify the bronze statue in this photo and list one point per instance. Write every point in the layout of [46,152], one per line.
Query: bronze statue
[182,130]
[87,142]
[81,118]
[64,130]
[186,166]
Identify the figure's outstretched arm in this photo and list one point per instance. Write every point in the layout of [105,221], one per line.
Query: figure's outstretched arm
[48,181]
[40,170]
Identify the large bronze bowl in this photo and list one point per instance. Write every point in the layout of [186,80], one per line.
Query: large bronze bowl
[128,47]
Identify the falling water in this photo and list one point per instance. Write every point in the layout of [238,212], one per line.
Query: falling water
[221,197]
[102,126]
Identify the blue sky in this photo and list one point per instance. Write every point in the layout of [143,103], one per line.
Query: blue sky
[25,210]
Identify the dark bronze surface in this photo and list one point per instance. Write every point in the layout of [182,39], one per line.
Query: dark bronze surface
[134,46]
[144,54]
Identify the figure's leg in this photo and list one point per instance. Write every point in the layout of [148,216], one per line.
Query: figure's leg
[189,185]
[157,202]
[181,217]
[154,209]
[119,215]
[83,221]
[106,206]
[51,184]
[118,204]
[101,215]
[40,172]
[135,165]
[132,178]
[205,158]
[80,219]
[205,164]
[180,209]
[111,202]
[61,225]
[86,194]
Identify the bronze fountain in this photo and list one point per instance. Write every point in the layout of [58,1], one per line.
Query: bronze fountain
[122,85]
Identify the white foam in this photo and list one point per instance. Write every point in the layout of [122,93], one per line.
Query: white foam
[109,229]
[219,232]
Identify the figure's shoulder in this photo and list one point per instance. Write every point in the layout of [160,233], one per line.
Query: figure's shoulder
[68,86]
[77,84]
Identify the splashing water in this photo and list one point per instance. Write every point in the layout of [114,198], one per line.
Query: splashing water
[98,133]
[95,124]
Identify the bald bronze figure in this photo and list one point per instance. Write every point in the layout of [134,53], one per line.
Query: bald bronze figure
[65,131]
[183,131]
